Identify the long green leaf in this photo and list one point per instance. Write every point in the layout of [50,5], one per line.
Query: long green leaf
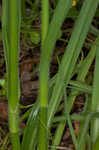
[53,103]
[71,54]
[95,97]
[81,77]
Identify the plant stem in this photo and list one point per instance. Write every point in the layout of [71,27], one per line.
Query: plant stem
[10,27]
[45,19]
[43,143]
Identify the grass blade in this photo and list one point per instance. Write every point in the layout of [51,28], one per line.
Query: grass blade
[71,54]
[69,121]
[95,97]
[81,77]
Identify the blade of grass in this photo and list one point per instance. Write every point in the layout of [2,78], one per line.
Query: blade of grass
[71,54]
[82,123]
[85,129]
[81,76]
[84,70]
[95,97]
[80,86]
[69,121]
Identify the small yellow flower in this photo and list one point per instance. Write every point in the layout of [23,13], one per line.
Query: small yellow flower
[74,3]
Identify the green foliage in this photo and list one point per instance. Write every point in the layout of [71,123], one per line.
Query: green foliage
[41,116]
